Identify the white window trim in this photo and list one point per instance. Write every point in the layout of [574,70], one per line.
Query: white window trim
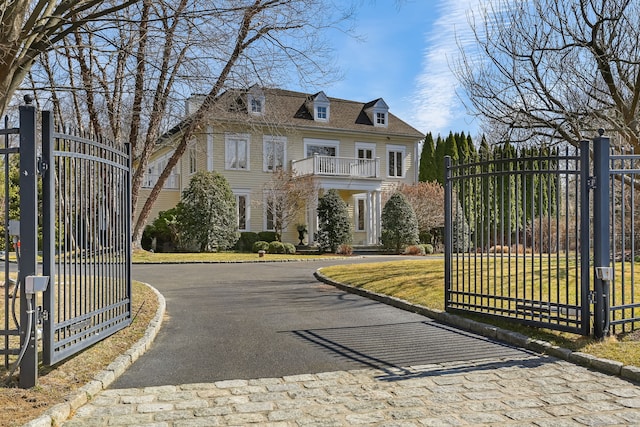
[322,142]
[192,158]
[266,139]
[247,194]
[396,149]
[242,136]
[155,168]
[365,146]
[257,99]
[209,148]
[385,118]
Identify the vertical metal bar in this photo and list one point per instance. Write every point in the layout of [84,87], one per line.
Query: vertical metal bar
[6,159]
[601,232]
[48,235]
[28,243]
[585,249]
[447,230]
[126,219]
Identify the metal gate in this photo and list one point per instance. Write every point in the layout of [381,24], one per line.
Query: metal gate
[515,242]
[547,240]
[81,291]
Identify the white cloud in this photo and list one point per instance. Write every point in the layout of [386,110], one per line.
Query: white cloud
[436,106]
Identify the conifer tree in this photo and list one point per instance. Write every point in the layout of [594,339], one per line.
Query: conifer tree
[427,165]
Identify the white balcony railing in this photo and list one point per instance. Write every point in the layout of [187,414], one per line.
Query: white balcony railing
[337,166]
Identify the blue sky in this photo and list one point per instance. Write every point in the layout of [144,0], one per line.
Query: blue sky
[404,59]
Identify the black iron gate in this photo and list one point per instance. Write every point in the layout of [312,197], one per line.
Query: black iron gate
[80,293]
[548,240]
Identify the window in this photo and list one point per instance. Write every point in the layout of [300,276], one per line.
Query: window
[237,151]
[360,214]
[256,106]
[255,101]
[365,150]
[193,158]
[321,147]
[271,214]
[395,161]
[155,168]
[321,113]
[381,119]
[242,210]
[274,149]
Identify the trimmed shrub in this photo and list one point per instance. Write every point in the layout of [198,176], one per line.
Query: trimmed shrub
[276,247]
[246,241]
[260,245]
[208,216]
[428,248]
[289,248]
[344,249]
[334,225]
[399,223]
[414,250]
[268,236]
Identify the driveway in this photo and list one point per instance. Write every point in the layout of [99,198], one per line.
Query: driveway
[257,320]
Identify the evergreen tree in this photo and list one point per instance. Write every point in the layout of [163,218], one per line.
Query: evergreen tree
[438,160]
[208,215]
[427,166]
[399,223]
[334,226]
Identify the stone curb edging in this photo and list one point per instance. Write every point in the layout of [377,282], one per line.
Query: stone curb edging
[55,415]
[607,366]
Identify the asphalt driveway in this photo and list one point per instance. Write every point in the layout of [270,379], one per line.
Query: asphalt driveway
[242,321]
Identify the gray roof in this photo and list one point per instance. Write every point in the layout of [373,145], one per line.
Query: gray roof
[289,108]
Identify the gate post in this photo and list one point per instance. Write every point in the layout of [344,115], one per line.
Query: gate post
[28,244]
[601,238]
[448,230]
[48,235]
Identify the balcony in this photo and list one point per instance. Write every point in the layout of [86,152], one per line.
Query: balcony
[348,167]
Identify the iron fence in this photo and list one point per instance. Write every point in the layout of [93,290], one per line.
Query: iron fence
[547,240]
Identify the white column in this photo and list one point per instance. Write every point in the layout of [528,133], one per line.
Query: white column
[378,216]
[312,219]
[369,219]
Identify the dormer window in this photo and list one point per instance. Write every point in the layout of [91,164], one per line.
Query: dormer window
[378,112]
[255,101]
[256,106]
[320,106]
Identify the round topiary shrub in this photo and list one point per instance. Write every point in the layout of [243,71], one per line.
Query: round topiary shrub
[428,248]
[344,249]
[289,248]
[260,245]
[276,247]
[414,250]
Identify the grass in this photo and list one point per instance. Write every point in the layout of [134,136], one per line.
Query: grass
[422,282]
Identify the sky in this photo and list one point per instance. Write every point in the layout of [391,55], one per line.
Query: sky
[405,59]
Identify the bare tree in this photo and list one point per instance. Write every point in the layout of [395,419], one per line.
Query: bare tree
[286,196]
[427,201]
[30,28]
[136,74]
[555,70]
